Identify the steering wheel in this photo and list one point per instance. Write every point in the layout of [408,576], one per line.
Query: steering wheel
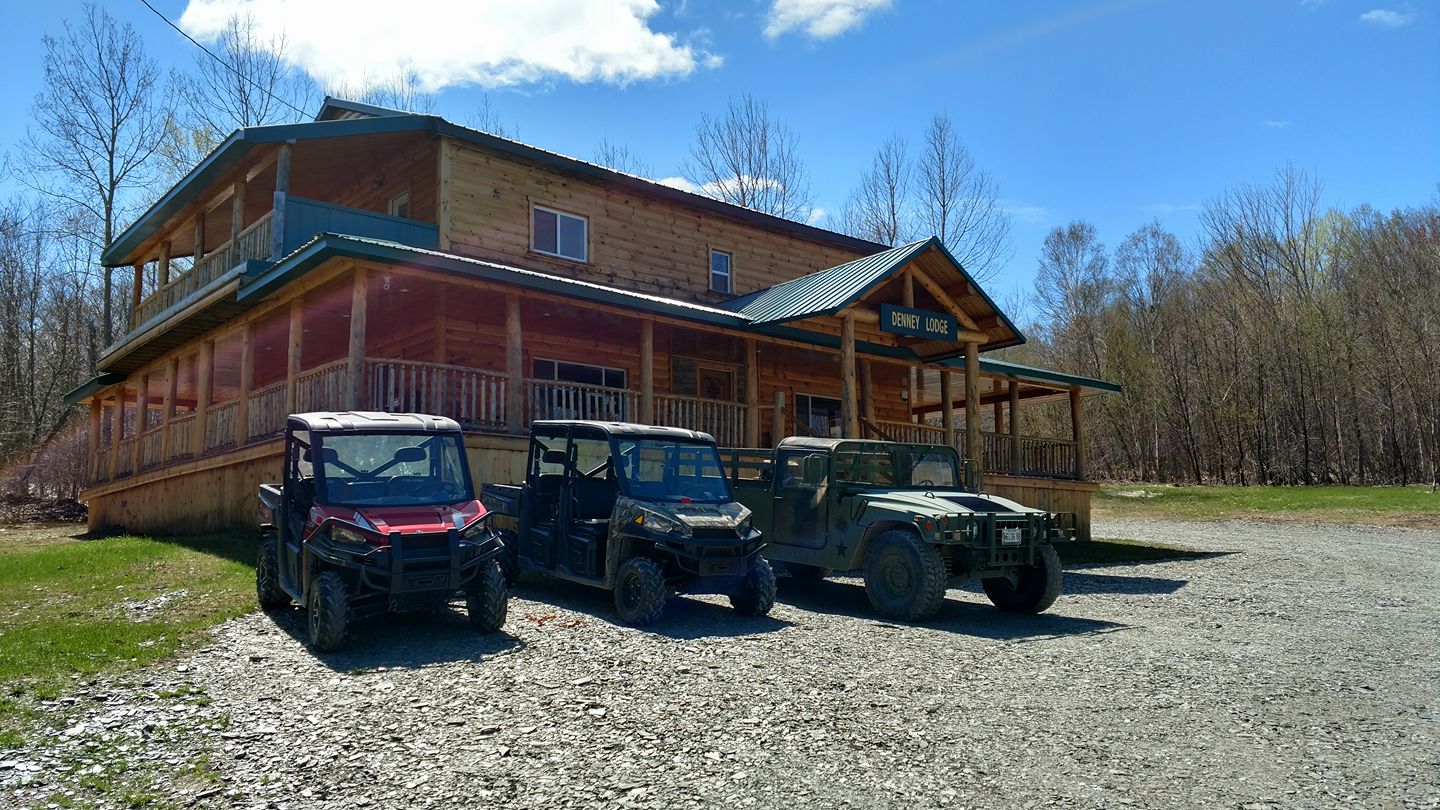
[926,482]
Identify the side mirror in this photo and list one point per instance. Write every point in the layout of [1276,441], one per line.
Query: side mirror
[409,455]
[814,469]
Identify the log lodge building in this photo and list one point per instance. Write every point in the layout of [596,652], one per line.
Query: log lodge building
[379,260]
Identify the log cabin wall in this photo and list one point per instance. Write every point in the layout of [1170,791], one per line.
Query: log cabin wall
[635,242]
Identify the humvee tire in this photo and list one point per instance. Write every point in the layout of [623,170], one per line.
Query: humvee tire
[809,573]
[1037,589]
[487,599]
[329,612]
[640,591]
[756,594]
[904,577]
[267,575]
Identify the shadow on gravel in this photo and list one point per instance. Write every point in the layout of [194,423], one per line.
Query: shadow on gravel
[404,641]
[964,618]
[1085,582]
[684,618]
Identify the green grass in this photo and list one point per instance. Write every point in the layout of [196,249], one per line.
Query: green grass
[1390,506]
[68,606]
[1106,551]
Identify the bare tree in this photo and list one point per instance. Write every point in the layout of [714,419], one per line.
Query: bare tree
[621,159]
[487,119]
[98,123]
[748,158]
[402,90]
[1072,287]
[960,203]
[879,209]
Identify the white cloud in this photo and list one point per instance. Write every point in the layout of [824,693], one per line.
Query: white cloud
[820,19]
[456,42]
[1385,18]
[817,217]
[1275,124]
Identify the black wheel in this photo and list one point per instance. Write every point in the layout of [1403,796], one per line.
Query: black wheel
[267,574]
[640,591]
[1035,587]
[809,573]
[904,577]
[329,612]
[510,557]
[756,594]
[487,599]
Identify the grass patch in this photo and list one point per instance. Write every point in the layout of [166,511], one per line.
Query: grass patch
[1385,506]
[72,607]
[1112,551]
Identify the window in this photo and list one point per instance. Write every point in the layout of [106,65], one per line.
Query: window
[720,271]
[582,373]
[582,397]
[400,205]
[560,234]
[820,414]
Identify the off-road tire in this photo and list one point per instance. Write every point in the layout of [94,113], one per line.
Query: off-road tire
[756,594]
[1037,589]
[904,576]
[267,574]
[640,591]
[328,612]
[510,556]
[487,599]
[808,573]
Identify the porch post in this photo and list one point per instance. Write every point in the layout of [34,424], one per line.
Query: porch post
[295,352]
[172,387]
[1015,455]
[867,396]
[849,412]
[777,431]
[199,239]
[972,404]
[752,393]
[117,428]
[136,293]
[142,413]
[247,381]
[907,299]
[999,410]
[164,268]
[1077,432]
[514,366]
[647,372]
[282,192]
[947,405]
[237,219]
[359,292]
[441,346]
[203,390]
[96,415]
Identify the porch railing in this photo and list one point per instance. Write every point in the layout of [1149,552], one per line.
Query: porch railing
[125,457]
[265,413]
[252,243]
[151,442]
[723,420]
[220,425]
[472,397]
[547,399]
[910,432]
[322,388]
[1047,458]
[182,426]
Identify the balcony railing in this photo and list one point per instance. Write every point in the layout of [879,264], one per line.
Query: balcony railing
[723,420]
[548,399]
[253,243]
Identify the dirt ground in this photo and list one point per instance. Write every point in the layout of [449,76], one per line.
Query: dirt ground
[1295,666]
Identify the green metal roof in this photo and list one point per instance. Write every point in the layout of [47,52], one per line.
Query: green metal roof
[828,291]
[1044,376]
[93,386]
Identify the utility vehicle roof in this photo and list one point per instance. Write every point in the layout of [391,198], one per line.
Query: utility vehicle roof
[828,445]
[626,429]
[371,422]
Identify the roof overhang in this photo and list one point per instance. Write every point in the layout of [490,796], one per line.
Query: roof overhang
[93,386]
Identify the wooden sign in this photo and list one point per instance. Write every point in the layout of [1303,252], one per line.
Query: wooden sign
[918,323]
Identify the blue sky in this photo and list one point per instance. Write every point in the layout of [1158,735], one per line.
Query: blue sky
[1117,111]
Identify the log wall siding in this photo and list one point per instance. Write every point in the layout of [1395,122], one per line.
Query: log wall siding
[411,168]
[635,242]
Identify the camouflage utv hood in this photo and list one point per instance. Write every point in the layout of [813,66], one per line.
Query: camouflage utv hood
[691,515]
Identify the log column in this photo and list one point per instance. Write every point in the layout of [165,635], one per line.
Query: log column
[172,388]
[907,299]
[849,410]
[867,396]
[117,429]
[137,293]
[647,372]
[972,404]
[514,366]
[282,193]
[1077,432]
[294,353]
[237,220]
[777,430]
[947,405]
[199,240]
[247,382]
[1015,455]
[142,413]
[164,264]
[202,396]
[752,393]
[355,383]
[96,419]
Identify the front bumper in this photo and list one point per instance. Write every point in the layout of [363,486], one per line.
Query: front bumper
[415,563]
[711,553]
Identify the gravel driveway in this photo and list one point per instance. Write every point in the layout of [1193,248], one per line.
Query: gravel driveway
[1298,666]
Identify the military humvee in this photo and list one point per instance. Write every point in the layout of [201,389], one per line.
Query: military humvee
[901,513]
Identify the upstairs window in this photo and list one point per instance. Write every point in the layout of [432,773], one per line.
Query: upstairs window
[400,205]
[557,233]
[720,271]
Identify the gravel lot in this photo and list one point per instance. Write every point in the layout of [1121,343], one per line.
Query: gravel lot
[1299,666]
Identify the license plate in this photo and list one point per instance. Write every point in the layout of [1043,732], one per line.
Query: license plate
[1010,537]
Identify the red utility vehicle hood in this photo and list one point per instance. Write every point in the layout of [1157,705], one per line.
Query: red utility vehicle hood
[430,519]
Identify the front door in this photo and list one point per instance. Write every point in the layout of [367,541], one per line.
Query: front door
[800,516]
[718,385]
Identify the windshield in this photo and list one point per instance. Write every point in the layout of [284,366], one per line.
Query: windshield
[889,466]
[390,469]
[669,470]
[933,468]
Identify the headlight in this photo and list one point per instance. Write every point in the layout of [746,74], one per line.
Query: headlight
[659,523]
[476,530]
[744,527]
[345,534]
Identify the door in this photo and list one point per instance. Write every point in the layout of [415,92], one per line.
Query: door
[717,386]
[543,498]
[299,483]
[800,516]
